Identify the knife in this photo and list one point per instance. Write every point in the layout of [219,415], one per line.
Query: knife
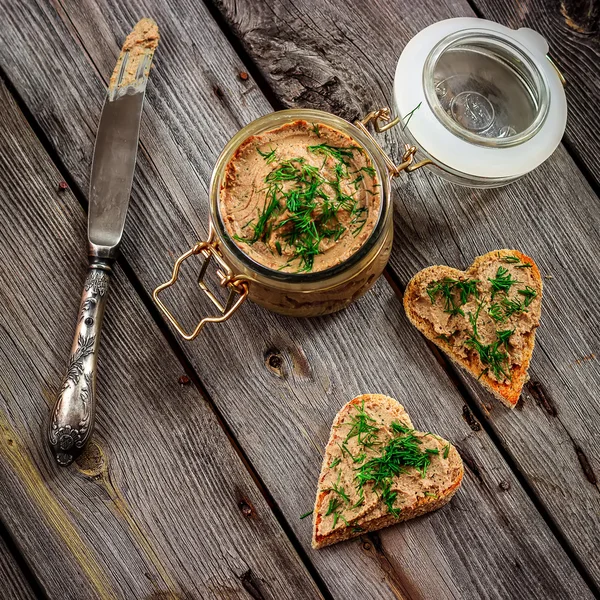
[72,418]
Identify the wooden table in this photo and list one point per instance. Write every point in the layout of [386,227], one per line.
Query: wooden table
[206,504]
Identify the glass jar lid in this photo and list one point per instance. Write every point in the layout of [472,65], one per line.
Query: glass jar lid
[490,103]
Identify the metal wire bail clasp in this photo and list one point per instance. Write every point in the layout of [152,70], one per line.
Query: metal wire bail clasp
[238,286]
[377,117]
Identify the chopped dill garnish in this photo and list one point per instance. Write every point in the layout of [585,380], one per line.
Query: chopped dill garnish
[446,450]
[502,282]
[402,451]
[310,512]
[359,457]
[389,498]
[262,229]
[512,307]
[362,428]
[430,495]
[339,153]
[504,336]
[335,462]
[359,219]
[291,169]
[302,204]
[337,516]
[398,427]
[268,156]
[408,117]
[333,508]
[491,357]
[473,319]
[356,182]
[506,309]
[369,171]
[334,504]
[357,529]
[495,311]
[360,501]
[529,294]
[511,259]
[455,293]
[467,288]
[344,449]
[340,491]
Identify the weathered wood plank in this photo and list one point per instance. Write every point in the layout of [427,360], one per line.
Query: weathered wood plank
[572,28]
[277,381]
[438,223]
[13,583]
[161,505]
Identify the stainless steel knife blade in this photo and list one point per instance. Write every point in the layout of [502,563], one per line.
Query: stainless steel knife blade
[113,166]
[116,145]
[72,419]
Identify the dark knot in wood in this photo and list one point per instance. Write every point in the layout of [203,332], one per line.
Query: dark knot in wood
[246,508]
[470,463]
[92,461]
[582,16]
[252,585]
[540,395]
[586,466]
[274,362]
[470,419]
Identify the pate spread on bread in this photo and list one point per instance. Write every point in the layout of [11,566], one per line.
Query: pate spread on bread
[378,471]
[484,318]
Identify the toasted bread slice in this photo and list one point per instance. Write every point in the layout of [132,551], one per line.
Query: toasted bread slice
[507,303]
[372,435]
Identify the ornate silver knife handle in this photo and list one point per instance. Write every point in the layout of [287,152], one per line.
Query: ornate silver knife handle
[72,419]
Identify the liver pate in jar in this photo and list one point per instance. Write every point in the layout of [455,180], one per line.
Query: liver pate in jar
[300,210]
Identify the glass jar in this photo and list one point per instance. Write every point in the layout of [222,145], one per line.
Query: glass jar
[293,294]
[484,104]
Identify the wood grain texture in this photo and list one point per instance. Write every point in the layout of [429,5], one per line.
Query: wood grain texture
[160,506]
[290,376]
[552,215]
[572,28]
[13,582]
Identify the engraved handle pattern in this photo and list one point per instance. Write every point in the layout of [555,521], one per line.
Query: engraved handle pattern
[72,419]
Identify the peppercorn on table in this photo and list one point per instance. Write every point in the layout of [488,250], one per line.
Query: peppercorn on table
[207,501]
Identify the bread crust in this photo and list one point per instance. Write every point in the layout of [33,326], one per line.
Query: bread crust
[508,393]
[424,505]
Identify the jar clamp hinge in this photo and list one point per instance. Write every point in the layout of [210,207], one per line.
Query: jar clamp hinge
[381,122]
[238,286]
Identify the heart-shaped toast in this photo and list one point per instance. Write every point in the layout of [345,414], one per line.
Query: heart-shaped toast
[378,471]
[484,318]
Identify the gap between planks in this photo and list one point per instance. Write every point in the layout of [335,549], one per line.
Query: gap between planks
[27,574]
[179,354]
